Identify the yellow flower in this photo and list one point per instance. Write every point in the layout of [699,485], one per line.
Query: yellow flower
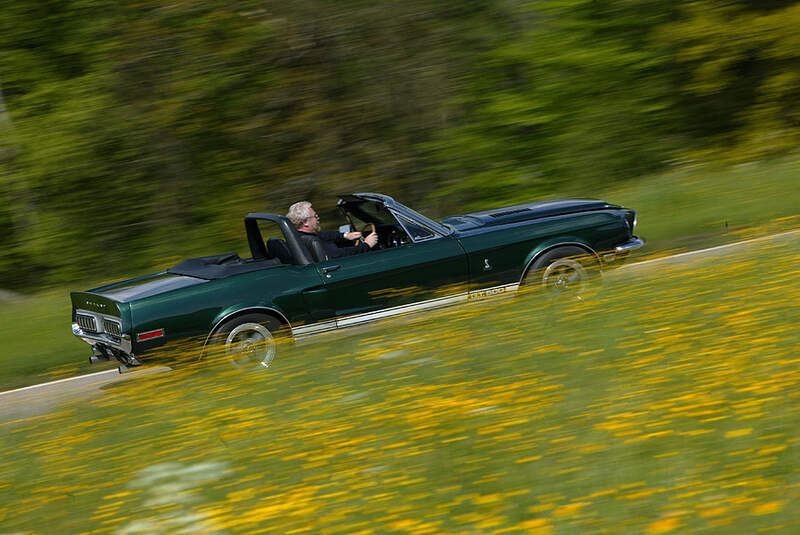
[767,508]
[738,433]
[537,526]
[665,525]
[570,509]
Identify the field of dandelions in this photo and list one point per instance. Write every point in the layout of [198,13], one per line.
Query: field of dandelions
[668,402]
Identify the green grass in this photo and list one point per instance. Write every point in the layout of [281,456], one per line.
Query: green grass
[701,206]
[36,342]
[666,404]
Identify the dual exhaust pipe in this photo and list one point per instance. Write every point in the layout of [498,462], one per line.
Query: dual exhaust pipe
[94,359]
[101,354]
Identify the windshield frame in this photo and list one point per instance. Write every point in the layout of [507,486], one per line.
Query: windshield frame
[346,203]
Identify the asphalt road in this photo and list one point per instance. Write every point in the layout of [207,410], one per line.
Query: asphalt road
[40,399]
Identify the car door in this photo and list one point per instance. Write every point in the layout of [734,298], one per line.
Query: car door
[398,280]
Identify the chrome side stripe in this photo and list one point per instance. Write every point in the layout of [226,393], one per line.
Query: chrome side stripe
[303,331]
[400,310]
[314,328]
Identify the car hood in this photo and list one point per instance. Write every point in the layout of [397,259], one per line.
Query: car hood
[524,212]
[147,286]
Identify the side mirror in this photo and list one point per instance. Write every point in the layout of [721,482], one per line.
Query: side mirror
[344,229]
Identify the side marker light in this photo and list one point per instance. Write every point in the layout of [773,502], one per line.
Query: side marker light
[149,335]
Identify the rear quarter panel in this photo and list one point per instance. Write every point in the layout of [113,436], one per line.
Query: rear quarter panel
[192,312]
[508,249]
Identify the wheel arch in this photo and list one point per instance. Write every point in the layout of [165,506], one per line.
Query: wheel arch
[266,311]
[550,245]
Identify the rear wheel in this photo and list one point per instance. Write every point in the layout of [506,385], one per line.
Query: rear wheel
[564,273]
[250,341]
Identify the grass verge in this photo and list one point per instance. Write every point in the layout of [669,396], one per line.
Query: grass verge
[702,206]
[36,342]
[666,404]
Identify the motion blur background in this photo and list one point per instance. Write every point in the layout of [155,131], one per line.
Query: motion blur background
[136,133]
[133,134]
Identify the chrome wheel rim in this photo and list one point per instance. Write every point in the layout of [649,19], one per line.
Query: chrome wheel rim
[250,345]
[565,277]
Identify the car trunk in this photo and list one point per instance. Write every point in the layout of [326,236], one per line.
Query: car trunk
[139,288]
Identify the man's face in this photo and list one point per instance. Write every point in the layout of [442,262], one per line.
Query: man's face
[312,223]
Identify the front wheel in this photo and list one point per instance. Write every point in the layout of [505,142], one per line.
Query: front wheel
[564,273]
[250,341]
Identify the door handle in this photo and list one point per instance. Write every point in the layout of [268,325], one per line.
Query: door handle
[328,269]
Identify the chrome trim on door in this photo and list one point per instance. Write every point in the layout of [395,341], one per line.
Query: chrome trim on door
[301,331]
[369,317]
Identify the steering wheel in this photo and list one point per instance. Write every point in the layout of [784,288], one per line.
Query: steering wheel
[368,229]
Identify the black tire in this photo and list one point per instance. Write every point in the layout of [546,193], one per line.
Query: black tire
[251,341]
[566,272]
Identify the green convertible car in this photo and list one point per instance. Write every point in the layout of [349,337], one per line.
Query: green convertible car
[244,305]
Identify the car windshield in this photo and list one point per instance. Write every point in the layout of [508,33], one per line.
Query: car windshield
[437,226]
[370,212]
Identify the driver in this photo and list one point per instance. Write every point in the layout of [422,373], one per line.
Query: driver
[332,242]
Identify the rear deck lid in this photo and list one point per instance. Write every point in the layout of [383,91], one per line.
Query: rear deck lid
[94,303]
[147,286]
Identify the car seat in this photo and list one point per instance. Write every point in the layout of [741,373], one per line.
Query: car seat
[314,245]
[277,248]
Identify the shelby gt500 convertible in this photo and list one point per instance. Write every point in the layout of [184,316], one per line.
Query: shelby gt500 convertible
[243,305]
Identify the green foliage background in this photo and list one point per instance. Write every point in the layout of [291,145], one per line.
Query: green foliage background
[132,133]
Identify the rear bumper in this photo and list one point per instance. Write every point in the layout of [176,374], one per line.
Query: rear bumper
[106,346]
[122,343]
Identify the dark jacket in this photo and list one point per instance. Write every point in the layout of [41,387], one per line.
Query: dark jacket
[327,244]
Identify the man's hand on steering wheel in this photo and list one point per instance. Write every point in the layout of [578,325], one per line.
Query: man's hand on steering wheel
[369,235]
[371,240]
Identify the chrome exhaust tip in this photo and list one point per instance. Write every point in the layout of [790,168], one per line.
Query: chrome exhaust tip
[98,356]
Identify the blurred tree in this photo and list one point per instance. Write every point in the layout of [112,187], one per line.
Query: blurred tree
[144,121]
[136,133]
[570,95]
[739,74]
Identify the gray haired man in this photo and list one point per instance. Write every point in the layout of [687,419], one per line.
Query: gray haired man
[326,244]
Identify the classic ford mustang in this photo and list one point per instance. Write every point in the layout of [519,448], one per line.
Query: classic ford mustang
[244,305]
